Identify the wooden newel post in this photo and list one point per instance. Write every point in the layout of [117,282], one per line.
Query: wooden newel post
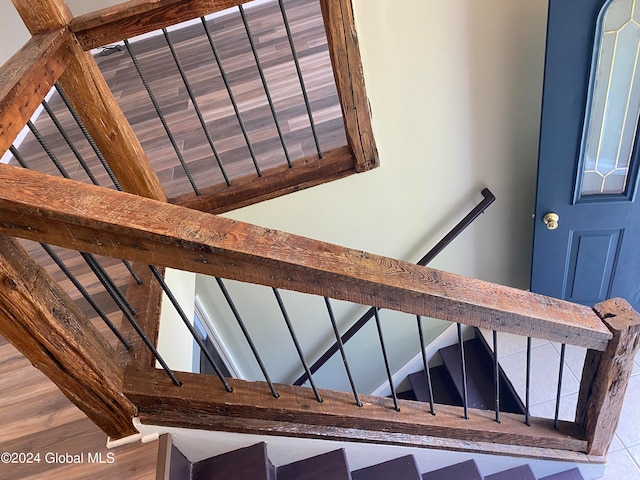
[606,374]
[43,323]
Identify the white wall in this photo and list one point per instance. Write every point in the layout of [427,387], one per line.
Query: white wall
[13,33]
[175,342]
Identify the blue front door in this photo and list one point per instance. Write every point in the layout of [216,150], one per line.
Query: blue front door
[587,221]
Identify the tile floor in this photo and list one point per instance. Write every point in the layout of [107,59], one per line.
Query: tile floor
[624,453]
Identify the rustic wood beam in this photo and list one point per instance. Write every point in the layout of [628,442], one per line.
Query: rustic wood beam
[91,97]
[26,79]
[43,323]
[200,401]
[99,220]
[146,300]
[128,19]
[605,375]
[43,16]
[223,423]
[274,182]
[347,69]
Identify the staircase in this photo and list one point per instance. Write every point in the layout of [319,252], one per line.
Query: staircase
[252,463]
[447,382]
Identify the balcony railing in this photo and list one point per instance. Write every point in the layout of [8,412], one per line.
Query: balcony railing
[142,228]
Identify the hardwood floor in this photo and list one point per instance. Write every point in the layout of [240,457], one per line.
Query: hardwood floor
[195,55]
[37,419]
[34,416]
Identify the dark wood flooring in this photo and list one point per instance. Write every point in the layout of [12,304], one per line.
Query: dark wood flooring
[203,75]
[34,415]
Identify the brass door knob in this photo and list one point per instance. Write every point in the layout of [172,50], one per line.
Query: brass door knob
[551,220]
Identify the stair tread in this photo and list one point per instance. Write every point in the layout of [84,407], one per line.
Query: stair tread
[444,390]
[403,468]
[465,470]
[480,381]
[573,474]
[522,472]
[249,463]
[327,466]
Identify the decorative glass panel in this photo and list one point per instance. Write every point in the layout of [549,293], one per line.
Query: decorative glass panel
[615,102]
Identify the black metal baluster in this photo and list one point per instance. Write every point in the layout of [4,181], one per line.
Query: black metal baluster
[127,311]
[225,80]
[465,396]
[527,415]
[108,283]
[68,141]
[243,327]
[152,97]
[299,71]
[376,315]
[496,375]
[427,373]
[264,84]
[342,352]
[195,105]
[85,294]
[563,348]
[187,323]
[19,158]
[132,271]
[117,296]
[46,148]
[88,136]
[64,173]
[285,315]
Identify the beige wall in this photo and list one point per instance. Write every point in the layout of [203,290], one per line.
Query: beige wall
[13,33]
[455,93]
[173,332]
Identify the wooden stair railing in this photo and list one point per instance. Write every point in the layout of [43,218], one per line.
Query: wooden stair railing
[97,220]
[487,199]
[83,217]
[93,219]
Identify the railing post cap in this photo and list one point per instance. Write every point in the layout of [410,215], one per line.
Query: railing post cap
[618,314]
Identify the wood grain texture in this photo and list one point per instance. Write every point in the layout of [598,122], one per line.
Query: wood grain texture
[146,300]
[94,219]
[44,15]
[91,97]
[41,321]
[136,17]
[26,79]
[606,375]
[267,29]
[347,67]
[276,181]
[201,400]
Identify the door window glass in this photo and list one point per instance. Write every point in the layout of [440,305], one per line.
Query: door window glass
[614,108]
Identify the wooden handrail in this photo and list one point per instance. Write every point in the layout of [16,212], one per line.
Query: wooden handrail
[488,199]
[98,220]
[136,17]
[25,79]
